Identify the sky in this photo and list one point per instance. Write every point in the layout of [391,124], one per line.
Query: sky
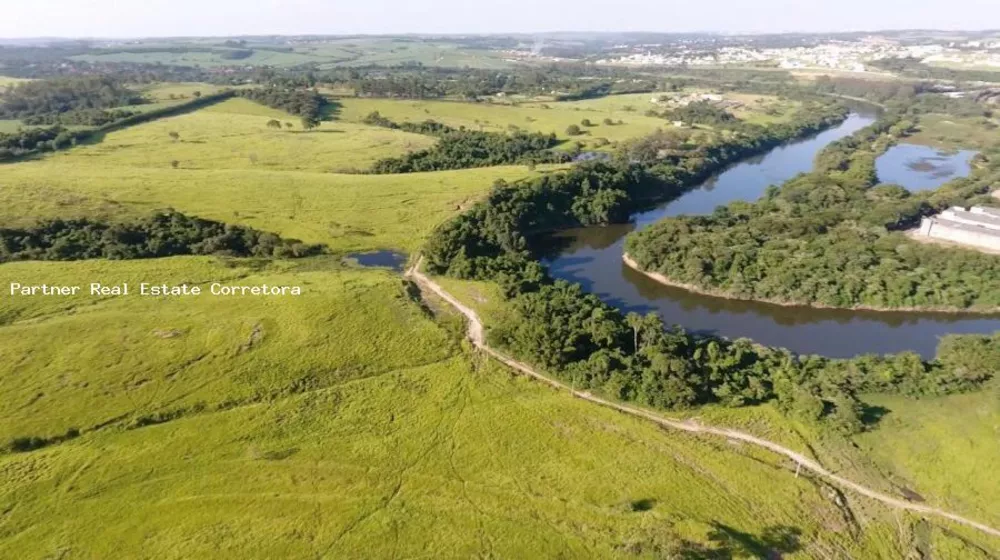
[154,18]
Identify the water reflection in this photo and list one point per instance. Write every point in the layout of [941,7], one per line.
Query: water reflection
[920,168]
[380,259]
[592,257]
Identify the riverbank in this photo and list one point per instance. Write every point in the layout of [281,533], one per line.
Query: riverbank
[695,289]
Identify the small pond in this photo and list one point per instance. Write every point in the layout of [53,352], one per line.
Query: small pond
[380,259]
[920,168]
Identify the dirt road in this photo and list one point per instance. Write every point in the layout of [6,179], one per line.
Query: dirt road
[476,334]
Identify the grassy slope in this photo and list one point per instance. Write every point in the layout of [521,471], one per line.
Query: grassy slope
[760,109]
[497,117]
[358,425]
[151,354]
[286,191]
[941,448]
[945,449]
[234,135]
[557,116]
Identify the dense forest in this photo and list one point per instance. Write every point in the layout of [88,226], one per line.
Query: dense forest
[62,95]
[162,234]
[458,148]
[833,238]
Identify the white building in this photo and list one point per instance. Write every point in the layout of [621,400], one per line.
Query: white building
[976,227]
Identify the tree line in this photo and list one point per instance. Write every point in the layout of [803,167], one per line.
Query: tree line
[30,141]
[459,148]
[162,234]
[61,95]
[304,103]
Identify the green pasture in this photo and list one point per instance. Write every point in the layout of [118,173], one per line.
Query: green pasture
[231,167]
[348,421]
[495,117]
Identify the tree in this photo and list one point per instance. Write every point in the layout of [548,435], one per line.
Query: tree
[573,130]
[174,164]
[608,122]
[196,94]
[174,135]
[309,123]
[586,122]
[289,125]
[274,123]
[635,321]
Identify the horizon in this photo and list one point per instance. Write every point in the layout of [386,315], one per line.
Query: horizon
[64,19]
[456,34]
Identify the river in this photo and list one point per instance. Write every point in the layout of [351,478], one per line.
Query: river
[593,257]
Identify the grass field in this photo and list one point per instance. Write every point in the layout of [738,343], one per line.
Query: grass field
[234,135]
[6,81]
[9,125]
[760,109]
[948,132]
[556,117]
[500,118]
[232,168]
[944,448]
[346,421]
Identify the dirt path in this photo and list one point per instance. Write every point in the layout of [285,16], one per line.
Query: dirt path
[477,336]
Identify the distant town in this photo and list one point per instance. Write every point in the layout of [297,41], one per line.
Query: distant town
[850,55]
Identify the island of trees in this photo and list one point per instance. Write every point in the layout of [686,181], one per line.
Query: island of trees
[833,238]
[459,148]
